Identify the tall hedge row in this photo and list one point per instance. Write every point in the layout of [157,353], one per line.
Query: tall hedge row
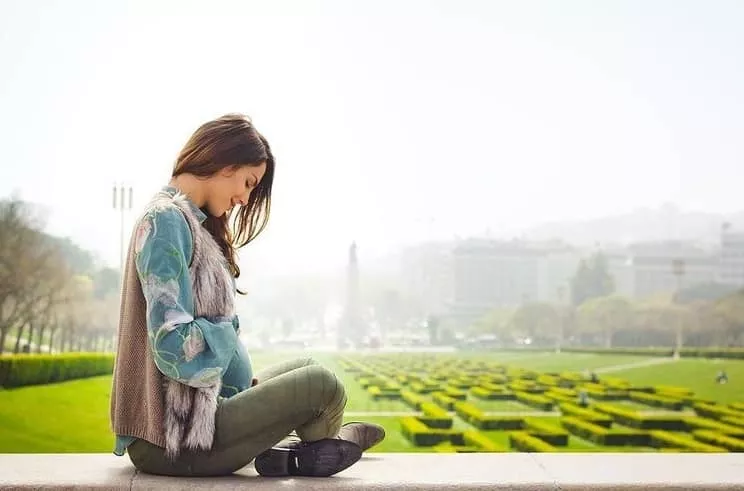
[29,369]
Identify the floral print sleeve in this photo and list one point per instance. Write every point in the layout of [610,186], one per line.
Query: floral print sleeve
[193,351]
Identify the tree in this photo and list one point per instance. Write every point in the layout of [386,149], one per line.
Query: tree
[605,315]
[74,314]
[663,314]
[729,311]
[592,280]
[496,321]
[539,321]
[704,291]
[27,262]
[432,325]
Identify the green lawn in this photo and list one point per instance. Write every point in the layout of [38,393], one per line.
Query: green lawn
[65,417]
[73,416]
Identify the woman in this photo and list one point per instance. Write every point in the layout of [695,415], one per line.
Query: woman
[184,399]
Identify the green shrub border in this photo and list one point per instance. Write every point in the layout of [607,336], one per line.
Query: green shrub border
[28,369]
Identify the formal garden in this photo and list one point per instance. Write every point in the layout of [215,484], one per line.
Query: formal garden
[437,402]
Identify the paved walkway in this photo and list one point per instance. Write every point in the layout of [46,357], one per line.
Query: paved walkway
[638,364]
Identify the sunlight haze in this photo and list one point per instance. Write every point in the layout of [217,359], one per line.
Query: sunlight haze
[391,122]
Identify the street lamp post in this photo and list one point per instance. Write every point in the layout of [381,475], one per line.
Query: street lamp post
[561,290]
[678,270]
[120,193]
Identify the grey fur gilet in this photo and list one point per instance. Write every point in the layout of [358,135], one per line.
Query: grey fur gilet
[189,411]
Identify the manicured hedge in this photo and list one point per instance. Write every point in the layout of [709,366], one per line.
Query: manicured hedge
[443,400]
[524,442]
[535,400]
[28,369]
[476,417]
[628,417]
[665,439]
[731,353]
[421,435]
[716,411]
[435,416]
[657,400]
[586,414]
[605,436]
[412,399]
[481,442]
[698,423]
[690,352]
[490,395]
[728,442]
[383,393]
[546,432]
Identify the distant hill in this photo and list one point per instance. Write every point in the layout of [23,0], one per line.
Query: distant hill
[665,223]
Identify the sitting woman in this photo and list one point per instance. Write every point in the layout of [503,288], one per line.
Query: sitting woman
[185,401]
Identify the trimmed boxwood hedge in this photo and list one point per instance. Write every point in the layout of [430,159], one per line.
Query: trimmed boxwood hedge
[29,369]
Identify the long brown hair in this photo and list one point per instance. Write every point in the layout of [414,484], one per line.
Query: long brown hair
[231,141]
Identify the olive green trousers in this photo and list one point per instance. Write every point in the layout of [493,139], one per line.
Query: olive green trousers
[296,397]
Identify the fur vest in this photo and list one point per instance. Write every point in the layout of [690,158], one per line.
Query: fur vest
[156,408]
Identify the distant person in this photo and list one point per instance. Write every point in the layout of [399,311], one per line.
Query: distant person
[583,400]
[722,377]
[185,401]
[594,378]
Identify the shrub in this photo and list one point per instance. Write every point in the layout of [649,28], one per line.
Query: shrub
[28,369]
[558,397]
[673,391]
[605,436]
[456,394]
[631,418]
[412,399]
[425,387]
[719,440]
[524,442]
[546,432]
[698,423]
[476,417]
[657,400]
[526,386]
[443,400]
[535,400]
[733,421]
[480,441]
[435,416]
[383,393]
[666,439]
[483,393]
[421,435]
[593,417]
[715,411]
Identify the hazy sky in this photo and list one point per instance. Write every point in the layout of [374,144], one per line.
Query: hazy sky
[391,121]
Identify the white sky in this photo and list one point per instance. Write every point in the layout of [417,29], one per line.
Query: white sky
[391,121]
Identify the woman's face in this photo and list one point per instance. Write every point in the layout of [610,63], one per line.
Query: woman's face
[232,186]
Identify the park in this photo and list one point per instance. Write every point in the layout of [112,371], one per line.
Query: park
[504,401]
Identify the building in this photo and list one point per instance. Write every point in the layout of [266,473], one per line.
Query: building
[645,269]
[731,267]
[426,275]
[461,281]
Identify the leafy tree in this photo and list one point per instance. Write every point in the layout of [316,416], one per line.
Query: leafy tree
[538,320]
[592,279]
[605,315]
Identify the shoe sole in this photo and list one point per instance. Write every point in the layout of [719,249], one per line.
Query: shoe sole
[323,458]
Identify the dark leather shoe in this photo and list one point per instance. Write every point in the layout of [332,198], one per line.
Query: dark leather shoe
[366,435]
[322,458]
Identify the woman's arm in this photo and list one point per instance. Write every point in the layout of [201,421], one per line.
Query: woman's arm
[193,351]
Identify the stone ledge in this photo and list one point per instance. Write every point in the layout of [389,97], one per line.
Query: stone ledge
[379,471]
